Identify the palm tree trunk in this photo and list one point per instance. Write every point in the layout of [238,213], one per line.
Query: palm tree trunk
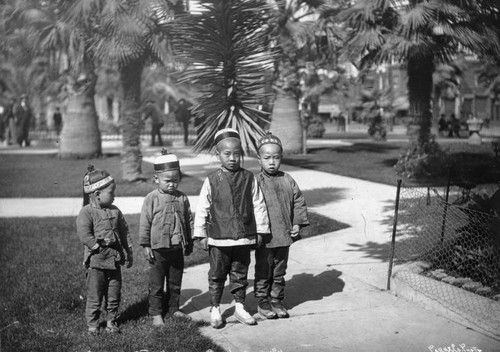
[130,77]
[420,71]
[286,123]
[80,136]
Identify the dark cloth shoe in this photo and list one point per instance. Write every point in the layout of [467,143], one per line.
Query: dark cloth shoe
[93,331]
[111,327]
[180,314]
[264,308]
[279,309]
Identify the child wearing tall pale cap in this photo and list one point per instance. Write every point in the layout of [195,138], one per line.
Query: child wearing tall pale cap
[104,233]
[287,214]
[165,234]
[231,213]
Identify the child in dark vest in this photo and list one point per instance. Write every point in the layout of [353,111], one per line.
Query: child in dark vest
[103,231]
[287,215]
[165,234]
[231,213]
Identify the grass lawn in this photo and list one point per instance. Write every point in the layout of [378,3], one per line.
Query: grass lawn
[41,176]
[374,161]
[43,292]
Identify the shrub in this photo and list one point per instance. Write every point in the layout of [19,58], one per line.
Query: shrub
[377,128]
[427,160]
[316,128]
[475,252]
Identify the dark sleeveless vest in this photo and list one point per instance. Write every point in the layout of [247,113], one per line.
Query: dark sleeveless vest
[231,211]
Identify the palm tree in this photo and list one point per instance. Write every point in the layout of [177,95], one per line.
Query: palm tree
[66,49]
[127,34]
[224,48]
[294,27]
[421,34]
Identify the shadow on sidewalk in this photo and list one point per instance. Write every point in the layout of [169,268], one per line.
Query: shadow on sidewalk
[300,288]
[373,250]
[307,287]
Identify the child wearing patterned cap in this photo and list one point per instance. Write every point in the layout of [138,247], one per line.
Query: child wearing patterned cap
[231,213]
[103,231]
[165,234]
[287,214]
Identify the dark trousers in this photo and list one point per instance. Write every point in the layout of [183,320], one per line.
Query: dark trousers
[270,270]
[186,132]
[169,266]
[155,131]
[102,285]
[23,135]
[228,260]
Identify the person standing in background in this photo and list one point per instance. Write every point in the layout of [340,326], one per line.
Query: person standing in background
[23,116]
[152,111]
[57,117]
[183,115]
[10,124]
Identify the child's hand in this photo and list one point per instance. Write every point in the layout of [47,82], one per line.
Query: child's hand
[130,260]
[148,253]
[204,243]
[295,233]
[188,250]
[260,241]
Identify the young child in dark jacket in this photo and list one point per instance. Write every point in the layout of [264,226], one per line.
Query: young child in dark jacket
[287,215]
[165,234]
[104,233]
[231,213]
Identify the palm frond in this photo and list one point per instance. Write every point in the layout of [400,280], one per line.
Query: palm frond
[225,49]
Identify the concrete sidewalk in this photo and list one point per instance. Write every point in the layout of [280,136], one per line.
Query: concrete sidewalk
[335,282]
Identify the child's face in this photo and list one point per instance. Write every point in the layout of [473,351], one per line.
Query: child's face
[270,156]
[168,181]
[106,196]
[229,153]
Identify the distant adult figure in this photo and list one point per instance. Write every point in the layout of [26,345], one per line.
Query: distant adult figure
[23,116]
[342,122]
[454,126]
[152,111]
[10,124]
[2,123]
[442,125]
[183,115]
[57,117]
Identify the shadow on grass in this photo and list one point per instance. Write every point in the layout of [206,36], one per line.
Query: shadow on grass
[135,311]
[322,196]
[373,147]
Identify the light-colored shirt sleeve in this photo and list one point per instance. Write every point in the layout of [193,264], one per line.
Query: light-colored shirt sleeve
[202,210]
[260,209]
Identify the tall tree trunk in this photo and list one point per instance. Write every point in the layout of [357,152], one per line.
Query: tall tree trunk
[80,135]
[130,78]
[420,71]
[286,123]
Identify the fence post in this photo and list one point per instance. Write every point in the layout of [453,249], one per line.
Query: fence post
[393,240]
[443,222]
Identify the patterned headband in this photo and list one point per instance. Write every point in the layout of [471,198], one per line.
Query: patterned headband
[89,188]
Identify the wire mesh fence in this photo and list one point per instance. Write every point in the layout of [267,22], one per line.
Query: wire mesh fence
[449,242]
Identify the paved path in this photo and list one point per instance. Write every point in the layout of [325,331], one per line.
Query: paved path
[335,282]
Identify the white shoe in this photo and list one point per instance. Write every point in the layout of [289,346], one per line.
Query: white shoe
[215,317]
[243,316]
